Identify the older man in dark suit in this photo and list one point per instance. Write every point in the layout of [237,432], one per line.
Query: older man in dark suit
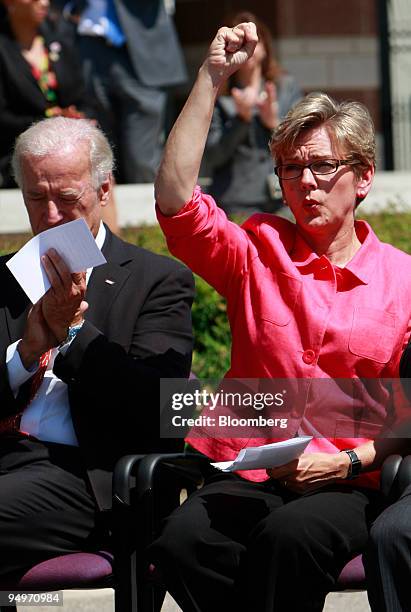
[131,55]
[80,369]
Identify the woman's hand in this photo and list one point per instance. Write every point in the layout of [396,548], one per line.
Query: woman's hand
[230,49]
[312,471]
[268,106]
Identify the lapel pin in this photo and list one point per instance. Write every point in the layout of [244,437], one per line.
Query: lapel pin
[109,282]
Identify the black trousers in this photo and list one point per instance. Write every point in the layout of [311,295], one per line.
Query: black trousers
[46,508]
[388,558]
[238,545]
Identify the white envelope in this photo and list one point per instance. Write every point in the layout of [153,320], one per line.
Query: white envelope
[73,241]
[266,456]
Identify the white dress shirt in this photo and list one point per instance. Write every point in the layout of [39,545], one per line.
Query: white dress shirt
[48,415]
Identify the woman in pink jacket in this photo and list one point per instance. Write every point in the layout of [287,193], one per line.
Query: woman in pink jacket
[318,300]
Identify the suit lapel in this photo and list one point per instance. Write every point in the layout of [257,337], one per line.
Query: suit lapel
[16,325]
[15,306]
[106,281]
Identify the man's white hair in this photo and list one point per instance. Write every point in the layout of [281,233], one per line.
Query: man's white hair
[60,134]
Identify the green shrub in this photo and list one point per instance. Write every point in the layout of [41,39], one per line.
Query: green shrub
[212,334]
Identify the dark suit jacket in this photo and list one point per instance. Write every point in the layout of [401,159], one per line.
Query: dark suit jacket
[137,329]
[21,100]
[152,41]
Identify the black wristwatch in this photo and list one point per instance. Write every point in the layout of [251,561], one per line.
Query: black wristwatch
[355,466]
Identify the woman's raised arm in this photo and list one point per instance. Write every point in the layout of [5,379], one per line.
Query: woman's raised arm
[184,148]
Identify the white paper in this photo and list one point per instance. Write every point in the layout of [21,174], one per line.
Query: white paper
[73,241]
[267,456]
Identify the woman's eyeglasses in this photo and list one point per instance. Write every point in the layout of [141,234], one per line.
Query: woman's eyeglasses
[321,167]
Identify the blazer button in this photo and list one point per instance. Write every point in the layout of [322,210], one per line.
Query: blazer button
[308,356]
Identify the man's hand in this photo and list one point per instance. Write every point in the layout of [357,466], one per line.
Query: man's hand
[63,304]
[311,471]
[37,337]
[230,49]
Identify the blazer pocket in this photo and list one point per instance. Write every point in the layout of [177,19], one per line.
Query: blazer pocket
[372,334]
[350,428]
[275,295]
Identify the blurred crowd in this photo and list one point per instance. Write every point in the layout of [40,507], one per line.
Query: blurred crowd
[116,62]
[113,61]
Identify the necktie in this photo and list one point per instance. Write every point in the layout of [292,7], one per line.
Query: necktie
[11,424]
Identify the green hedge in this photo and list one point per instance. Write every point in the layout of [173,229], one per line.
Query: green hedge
[212,334]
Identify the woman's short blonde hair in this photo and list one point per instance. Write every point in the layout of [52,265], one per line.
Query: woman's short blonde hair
[349,126]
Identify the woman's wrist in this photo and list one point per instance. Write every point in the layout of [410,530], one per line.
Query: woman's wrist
[343,464]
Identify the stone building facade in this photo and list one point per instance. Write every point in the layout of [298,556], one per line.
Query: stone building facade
[335,46]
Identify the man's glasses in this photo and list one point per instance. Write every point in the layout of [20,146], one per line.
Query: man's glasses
[287,172]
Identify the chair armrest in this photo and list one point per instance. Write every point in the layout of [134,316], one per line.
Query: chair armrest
[145,489]
[124,469]
[389,473]
[187,468]
[159,481]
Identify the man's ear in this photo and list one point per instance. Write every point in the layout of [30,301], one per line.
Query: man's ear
[365,181]
[105,190]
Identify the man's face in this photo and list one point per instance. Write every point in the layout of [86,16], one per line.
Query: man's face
[57,188]
[322,204]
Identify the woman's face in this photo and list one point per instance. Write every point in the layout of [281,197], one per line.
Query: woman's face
[258,56]
[322,204]
[29,11]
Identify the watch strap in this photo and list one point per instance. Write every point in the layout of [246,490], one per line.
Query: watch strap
[72,332]
[355,463]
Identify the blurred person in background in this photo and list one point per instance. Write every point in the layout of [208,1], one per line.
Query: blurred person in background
[130,55]
[39,75]
[249,107]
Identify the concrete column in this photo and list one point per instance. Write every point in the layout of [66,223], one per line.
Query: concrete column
[399,25]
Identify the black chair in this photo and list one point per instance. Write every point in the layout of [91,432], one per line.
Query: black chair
[102,569]
[145,490]
[186,471]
